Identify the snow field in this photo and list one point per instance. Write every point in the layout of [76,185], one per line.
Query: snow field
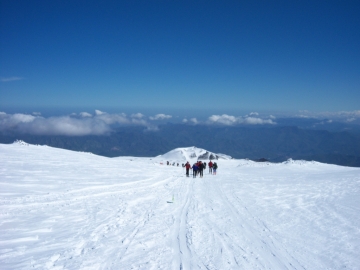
[67,210]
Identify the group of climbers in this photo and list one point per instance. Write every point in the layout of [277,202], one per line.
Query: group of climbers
[173,164]
[212,167]
[199,167]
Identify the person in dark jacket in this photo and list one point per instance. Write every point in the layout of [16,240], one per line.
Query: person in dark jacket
[187,167]
[195,169]
[215,166]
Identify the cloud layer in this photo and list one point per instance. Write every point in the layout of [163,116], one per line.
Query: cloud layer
[342,116]
[74,125]
[100,123]
[232,120]
[160,116]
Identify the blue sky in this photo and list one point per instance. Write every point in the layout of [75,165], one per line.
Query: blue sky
[176,57]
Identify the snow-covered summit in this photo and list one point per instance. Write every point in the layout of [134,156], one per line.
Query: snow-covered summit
[20,142]
[192,153]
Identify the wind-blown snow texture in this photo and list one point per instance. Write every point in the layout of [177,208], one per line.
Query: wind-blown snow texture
[72,210]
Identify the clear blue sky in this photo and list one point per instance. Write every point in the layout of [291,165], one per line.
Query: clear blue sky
[209,55]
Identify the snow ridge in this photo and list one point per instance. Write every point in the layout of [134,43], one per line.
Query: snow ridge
[299,162]
[20,142]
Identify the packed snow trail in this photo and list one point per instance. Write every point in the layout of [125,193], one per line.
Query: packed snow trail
[66,210]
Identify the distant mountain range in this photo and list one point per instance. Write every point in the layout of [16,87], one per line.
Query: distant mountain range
[275,143]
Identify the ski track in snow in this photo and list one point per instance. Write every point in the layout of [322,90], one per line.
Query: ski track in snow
[67,210]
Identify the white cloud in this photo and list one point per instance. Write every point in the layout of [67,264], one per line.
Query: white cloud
[230,120]
[68,126]
[339,115]
[160,116]
[254,113]
[36,113]
[98,112]
[85,114]
[345,113]
[99,124]
[140,122]
[11,79]
[137,115]
[194,121]
[223,119]
[256,121]
[64,125]
[112,118]
[350,119]
[10,121]
[190,121]
[22,118]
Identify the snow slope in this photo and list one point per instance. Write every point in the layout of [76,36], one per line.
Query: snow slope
[68,210]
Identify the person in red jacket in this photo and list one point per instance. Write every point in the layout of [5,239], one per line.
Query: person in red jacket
[210,167]
[187,167]
[201,168]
